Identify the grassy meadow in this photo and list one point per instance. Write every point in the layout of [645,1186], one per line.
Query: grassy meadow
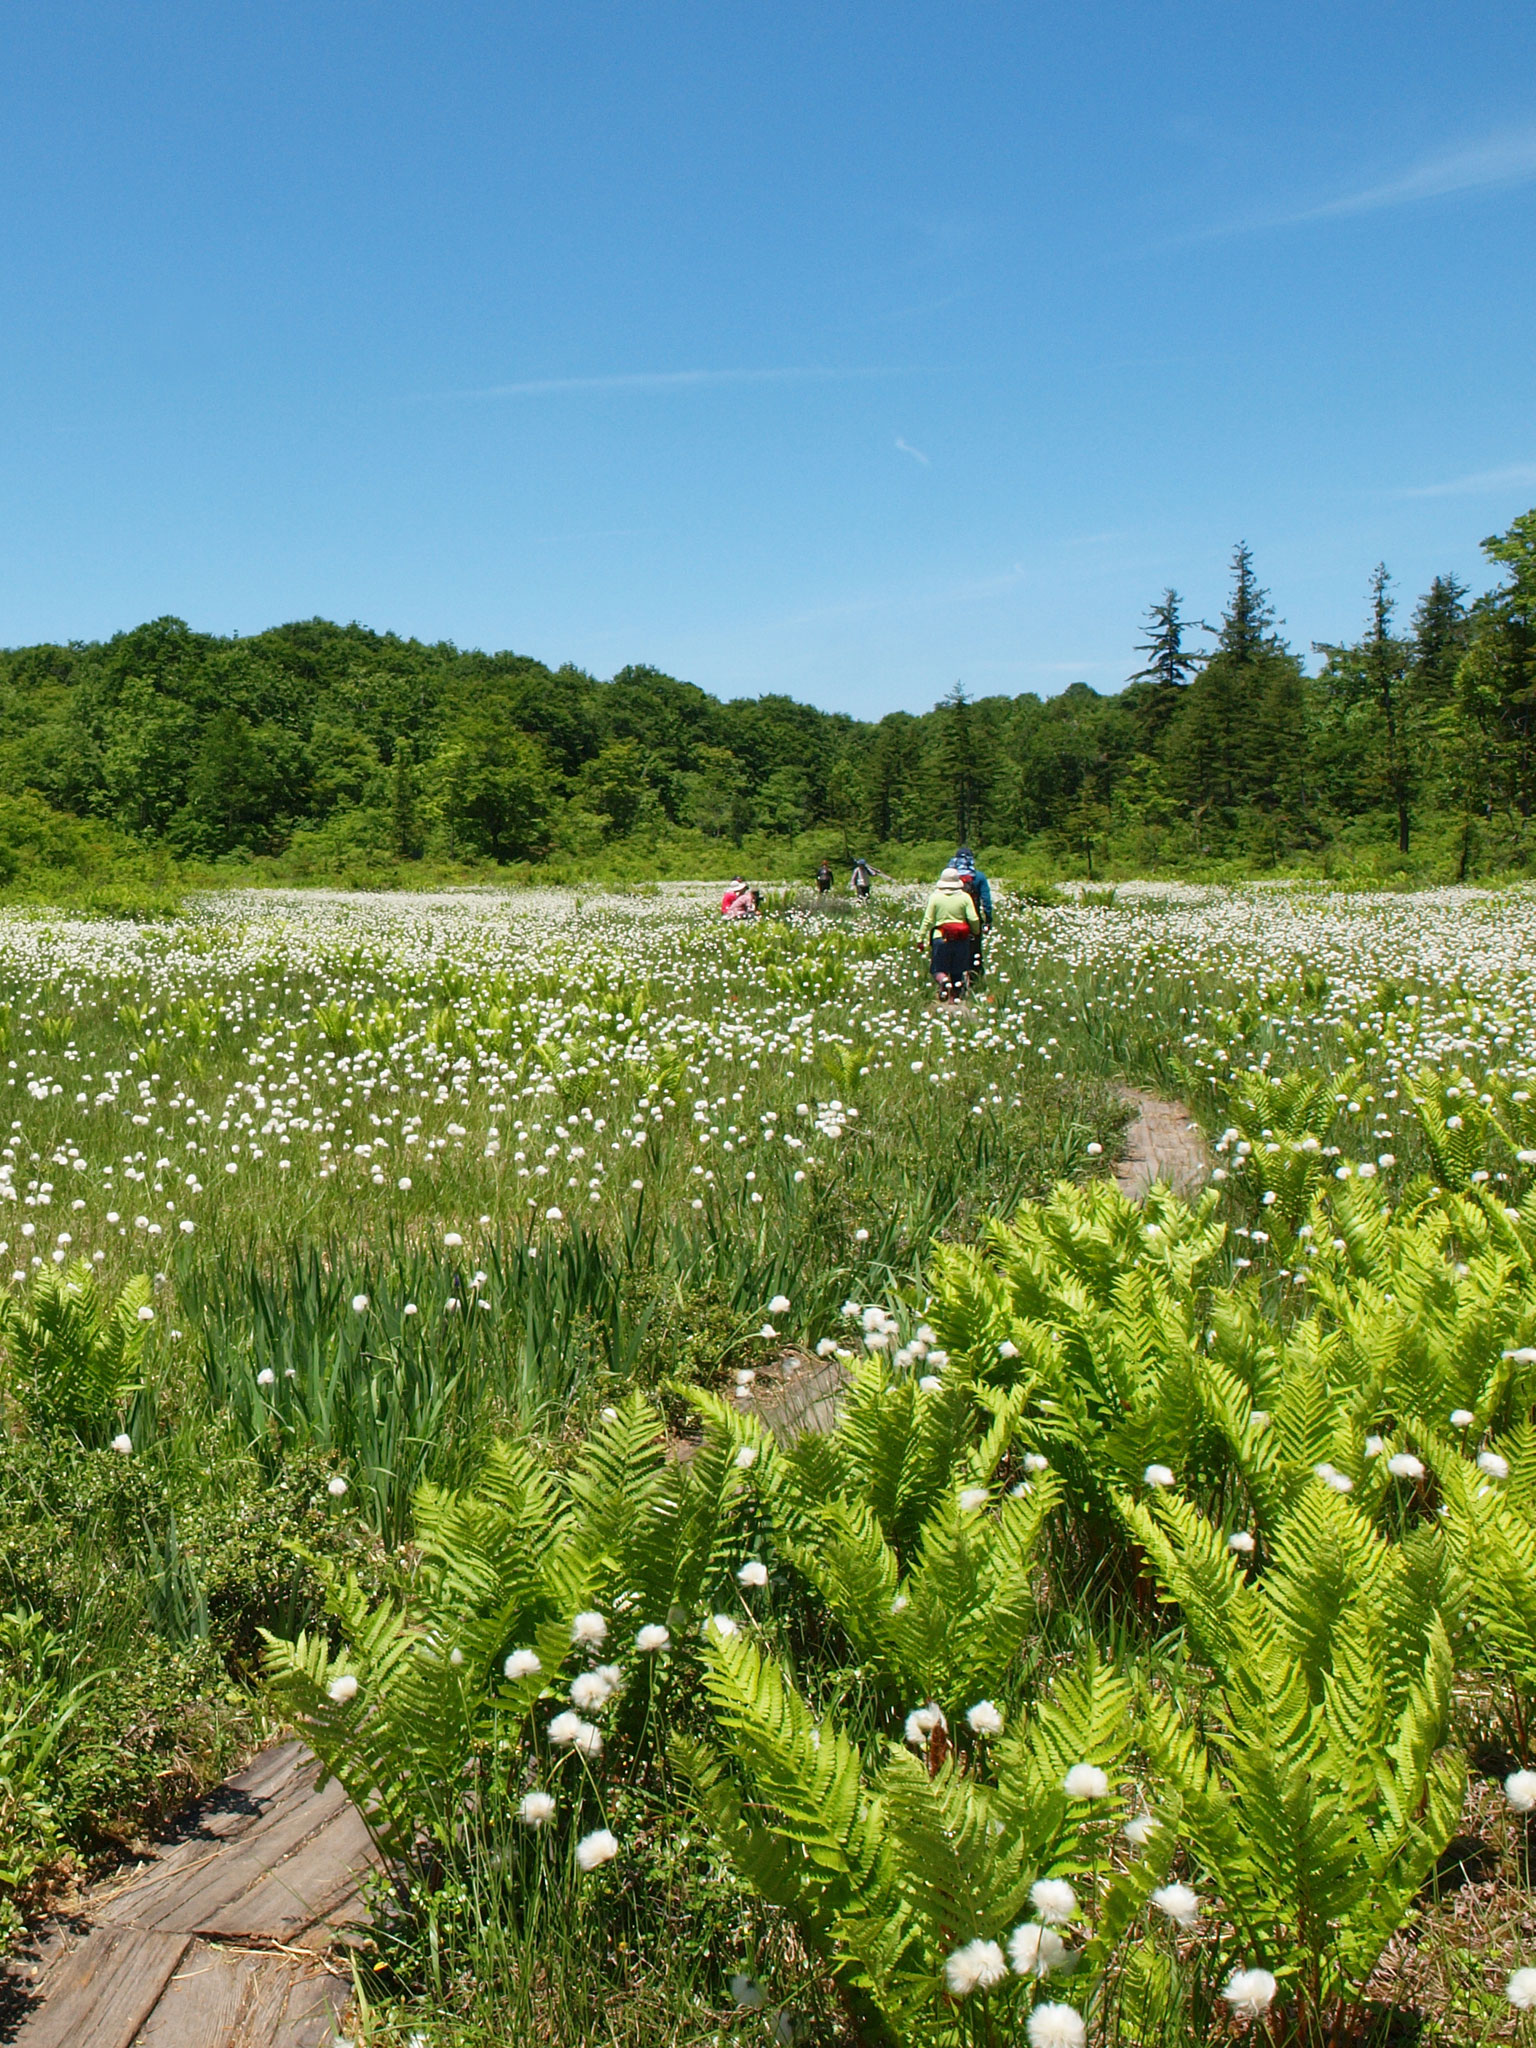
[1149,1654]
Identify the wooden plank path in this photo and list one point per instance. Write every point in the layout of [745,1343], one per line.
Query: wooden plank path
[225,1937]
[1162,1143]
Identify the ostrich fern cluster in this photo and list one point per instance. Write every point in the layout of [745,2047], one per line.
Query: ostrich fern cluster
[864,1653]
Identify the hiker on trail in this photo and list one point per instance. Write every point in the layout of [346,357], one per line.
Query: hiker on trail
[980,890]
[952,932]
[862,880]
[824,878]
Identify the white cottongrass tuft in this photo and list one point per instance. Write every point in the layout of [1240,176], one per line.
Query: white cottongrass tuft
[1462,1418]
[601,1846]
[1034,1462]
[1250,1993]
[1404,1465]
[1491,1463]
[1056,2026]
[976,1967]
[1374,1446]
[1241,1542]
[1054,1900]
[653,1637]
[1520,1790]
[336,1486]
[1037,1951]
[522,1664]
[265,1377]
[589,1627]
[973,1497]
[536,1808]
[746,1993]
[360,1303]
[753,1573]
[1007,1349]
[779,1306]
[123,1445]
[1178,1904]
[591,1690]
[1158,1475]
[930,1383]
[569,1731]
[746,1457]
[1085,1781]
[724,1625]
[1339,1481]
[1521,1990]
[342,1689]
[985,1718]
[1140,1829]
[921,1723]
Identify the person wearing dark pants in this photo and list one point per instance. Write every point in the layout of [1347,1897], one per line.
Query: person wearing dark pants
[980,890]
[951,931]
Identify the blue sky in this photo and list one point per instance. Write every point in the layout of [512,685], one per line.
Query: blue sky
[848,350]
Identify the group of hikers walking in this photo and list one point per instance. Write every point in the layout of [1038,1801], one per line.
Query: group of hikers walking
[956,920]
[861,881]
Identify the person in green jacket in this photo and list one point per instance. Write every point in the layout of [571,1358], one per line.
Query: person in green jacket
[951,930]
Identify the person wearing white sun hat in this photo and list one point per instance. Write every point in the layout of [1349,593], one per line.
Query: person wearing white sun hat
[951,929]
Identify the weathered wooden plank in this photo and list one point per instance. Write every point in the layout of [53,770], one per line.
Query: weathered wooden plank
[189,1898]
[236,1998]
[100,1994]
[804,1397]
[1162,1143]
[266,1857]
[274,1778]
[305,1887]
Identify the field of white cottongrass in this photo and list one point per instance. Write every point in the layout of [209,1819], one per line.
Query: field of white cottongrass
[1148,1655]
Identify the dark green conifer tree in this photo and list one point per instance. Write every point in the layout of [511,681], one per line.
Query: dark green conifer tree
[405,827]
[1386,668]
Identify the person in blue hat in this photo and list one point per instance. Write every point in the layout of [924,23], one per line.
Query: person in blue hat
[980,891]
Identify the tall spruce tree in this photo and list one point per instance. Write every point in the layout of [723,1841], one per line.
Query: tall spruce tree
[1439,638]
[1239,736]
[1169,661]
[1386,668]
[959,771]
[1248,624]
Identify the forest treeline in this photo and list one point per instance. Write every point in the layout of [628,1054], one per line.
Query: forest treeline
[351,747]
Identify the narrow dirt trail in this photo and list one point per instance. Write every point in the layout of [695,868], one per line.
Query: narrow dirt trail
[226,1937]
[1162,1143]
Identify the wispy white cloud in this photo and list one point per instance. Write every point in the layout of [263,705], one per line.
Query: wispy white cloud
[1499,160]
[916,454]
[664,380]
[1514,476]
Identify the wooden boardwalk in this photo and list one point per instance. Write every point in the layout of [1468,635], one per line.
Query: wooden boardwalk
[227,1936]
[1162,1143]
[224,1938]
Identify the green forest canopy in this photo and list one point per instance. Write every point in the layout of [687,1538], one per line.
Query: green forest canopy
[1220,744]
